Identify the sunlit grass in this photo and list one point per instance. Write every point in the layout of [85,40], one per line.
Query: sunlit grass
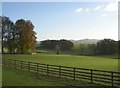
[93,62]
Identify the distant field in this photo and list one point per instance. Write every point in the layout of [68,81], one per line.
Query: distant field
[94,62]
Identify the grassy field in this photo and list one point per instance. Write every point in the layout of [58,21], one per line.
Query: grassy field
[94,62]
[13,77]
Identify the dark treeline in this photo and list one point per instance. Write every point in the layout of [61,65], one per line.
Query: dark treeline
[18,37]
[103,47]
[57,44]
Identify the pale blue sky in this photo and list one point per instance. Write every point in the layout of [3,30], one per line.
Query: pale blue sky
[70,20]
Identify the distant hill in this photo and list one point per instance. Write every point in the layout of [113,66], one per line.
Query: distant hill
[85,41]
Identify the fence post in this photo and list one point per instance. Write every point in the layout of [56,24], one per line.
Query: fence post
[74,73]
[37,67]
[47,69]
[59,71]
[112,79]
[28,66]
[91,76]
[21,64]
[14,63]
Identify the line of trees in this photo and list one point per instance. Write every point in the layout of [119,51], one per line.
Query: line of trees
[18,37]
[103,47]
[56,44]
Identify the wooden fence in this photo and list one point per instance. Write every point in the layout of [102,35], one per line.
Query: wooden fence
[99,77]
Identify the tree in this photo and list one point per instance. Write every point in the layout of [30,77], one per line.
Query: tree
[19,37]
[7,34]
[49,44]
[57,49]
[26,36]
[56,45]
[106,47]
[88,49]
[81,48]
[65,44]
[31,38]
[118,48]
[20,27]
[92,49]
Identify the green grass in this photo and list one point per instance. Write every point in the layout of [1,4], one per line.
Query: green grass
[93,62]
[13,77]
[16,77]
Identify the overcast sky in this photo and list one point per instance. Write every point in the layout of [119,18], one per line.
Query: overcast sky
[67,20]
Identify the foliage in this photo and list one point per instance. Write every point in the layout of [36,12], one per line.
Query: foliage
[88,49]
[118,50]
[49,44]
[106,46]
[18,37]
[8,33]
[103,47]
[55,44]
[65,44]
[27,38]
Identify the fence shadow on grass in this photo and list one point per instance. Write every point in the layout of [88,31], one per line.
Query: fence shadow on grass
[68,75]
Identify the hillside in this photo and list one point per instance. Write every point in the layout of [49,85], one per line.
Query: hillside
[85,41]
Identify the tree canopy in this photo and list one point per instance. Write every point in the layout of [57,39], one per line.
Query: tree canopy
[52,44]
[19,37]
[103,47]
[106,46]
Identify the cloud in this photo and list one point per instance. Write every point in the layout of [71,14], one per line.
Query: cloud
[78,10]
[98,7]
[87,10]
[111,7]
